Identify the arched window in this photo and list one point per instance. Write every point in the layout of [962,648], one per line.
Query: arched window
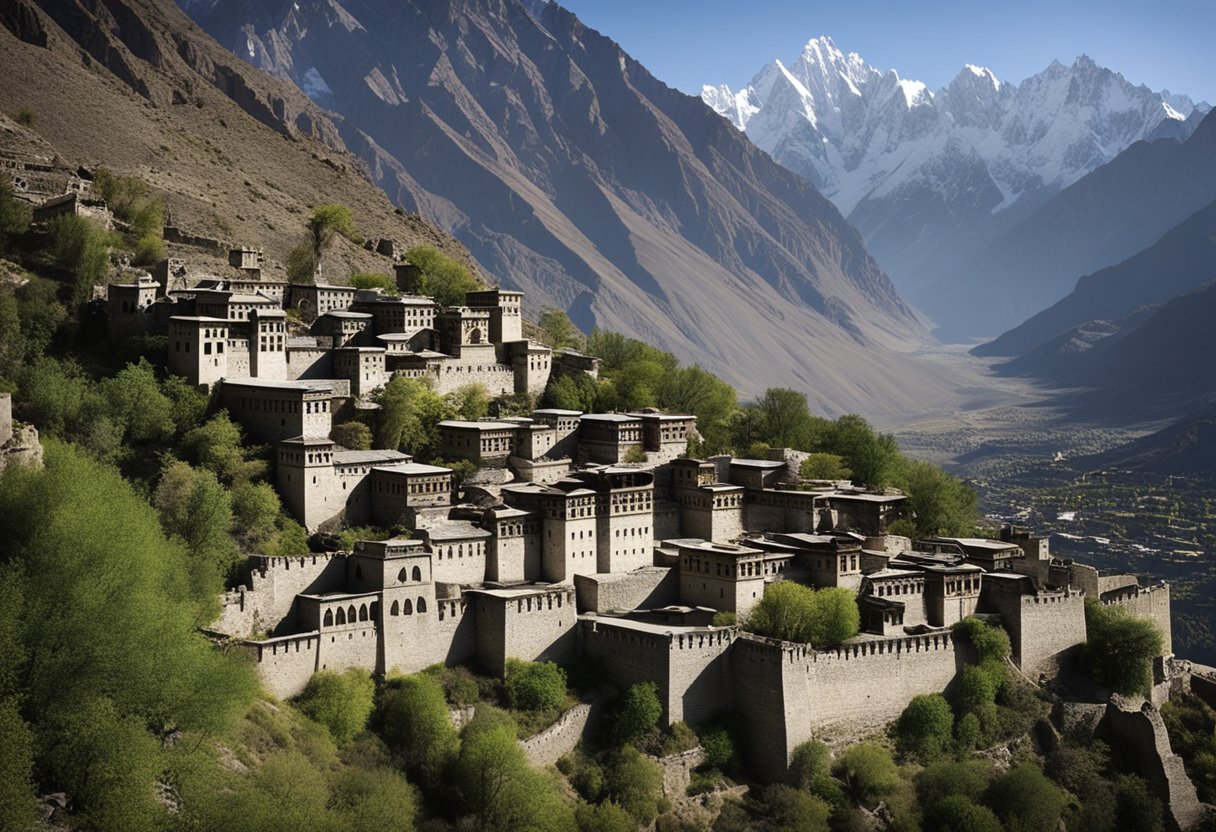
[363,612]
[374,611]
[417,574]
[421,604]
[358,573]
[351,615]
[329,618]
[407,607]
[341,616]
[401,576]
[395,609]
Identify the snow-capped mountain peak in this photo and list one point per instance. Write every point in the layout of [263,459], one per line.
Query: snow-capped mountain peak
[883,147]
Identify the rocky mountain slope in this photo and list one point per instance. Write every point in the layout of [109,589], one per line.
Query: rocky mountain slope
[1152,365]
[135,86]
[1181,261]
[928,177]
[573,174]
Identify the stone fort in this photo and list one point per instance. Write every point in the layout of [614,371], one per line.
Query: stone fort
[565,549]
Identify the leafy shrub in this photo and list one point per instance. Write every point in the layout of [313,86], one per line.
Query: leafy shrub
[1025,800]
[412,716]
[639,711]
[867,771]
[1120,648]
[373,280]
[925,728]
[441,277]
[535,686]
[353,435]
[342,702]
[719,747]
[793,612]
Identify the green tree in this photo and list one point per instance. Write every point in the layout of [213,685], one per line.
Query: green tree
[1120,648]
[719,746]
[559,332]
[14,213]
[873,457]
[255,510]
[810,761]
[604,817]
[496,785]
[940,503]
[376,798]
[867,771]
[412,716]
[218,446]
[1136,807]
[793,612]
[17,800]
[133,400]
[785,419]
[577,391]
[925,728]
[640,711]
[342,702]
[957,813]
[107,762]
[792,810]
[82,247]
[410,413]
[471,402]
[947,778]
[1025,800]
[441,277]
[195,509]
[374,280]
[53,393]
[824,467]
[355,436]
[635,782]
[704,395]
[123,610]
[535,686]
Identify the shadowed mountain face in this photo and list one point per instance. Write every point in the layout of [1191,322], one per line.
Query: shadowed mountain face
[1100,220]
[1182,260]
[574,175]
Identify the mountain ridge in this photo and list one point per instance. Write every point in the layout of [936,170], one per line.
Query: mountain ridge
[576,176]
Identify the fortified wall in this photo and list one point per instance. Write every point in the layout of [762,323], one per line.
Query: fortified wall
[1151,602]
[790,693]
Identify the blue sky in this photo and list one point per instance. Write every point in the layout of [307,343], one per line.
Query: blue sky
[1169,44]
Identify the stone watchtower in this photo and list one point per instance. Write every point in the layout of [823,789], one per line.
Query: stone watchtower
[268,343]
[505,310]
[306,479]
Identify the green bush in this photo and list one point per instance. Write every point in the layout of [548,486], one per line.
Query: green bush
[640,711]
[719,747]
[925,728]
[957,813]
[635,782]
[14,213]
[559,332]
[355,436]
[1120,648]
[412,717]
[867,771]
[604,817]
[373,280]
[535,686]
[724,618]
[793,612]
[342,702]
[789,808]
[441,277]
[82,247]
[824,467]
[810,761]
[1025,800]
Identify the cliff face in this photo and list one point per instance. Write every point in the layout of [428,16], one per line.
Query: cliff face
[574,175]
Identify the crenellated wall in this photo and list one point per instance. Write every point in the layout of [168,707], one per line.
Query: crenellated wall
[267,604]
[1152,603]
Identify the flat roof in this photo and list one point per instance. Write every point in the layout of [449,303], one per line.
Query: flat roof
[717,548]
[508,593]
[199,319]
[412,469]
[894,573]
[357,457]
[646,626]
[554,411]
[757,463]
[319,386]
[461,424]
[864,498]
[611,417]
[344,313]
[976,543]
[447,529]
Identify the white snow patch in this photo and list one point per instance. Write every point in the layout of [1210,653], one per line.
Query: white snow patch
[314,85]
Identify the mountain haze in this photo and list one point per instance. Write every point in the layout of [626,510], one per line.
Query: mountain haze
[573,174]
[1182,260]
[929,178]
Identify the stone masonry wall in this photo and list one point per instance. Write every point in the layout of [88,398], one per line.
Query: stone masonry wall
[1152,603]
[1049,625]
[267,603]
[647,588]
